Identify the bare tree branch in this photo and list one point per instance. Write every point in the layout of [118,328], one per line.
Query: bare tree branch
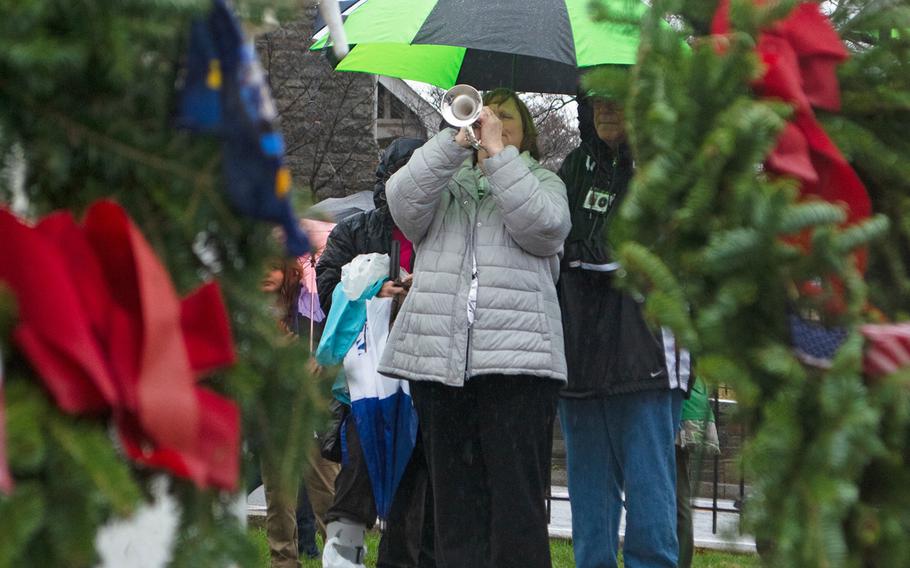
[556,128]
[326,117]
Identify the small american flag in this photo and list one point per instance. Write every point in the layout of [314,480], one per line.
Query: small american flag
[887,348]
[814,343]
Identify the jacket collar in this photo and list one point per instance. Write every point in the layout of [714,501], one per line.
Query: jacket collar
[467,178]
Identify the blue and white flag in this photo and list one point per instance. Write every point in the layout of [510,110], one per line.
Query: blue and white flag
[383,412]
[223,90]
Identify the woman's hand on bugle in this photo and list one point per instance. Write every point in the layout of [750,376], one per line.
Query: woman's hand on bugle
[490,135]
[487,131]
[462,137]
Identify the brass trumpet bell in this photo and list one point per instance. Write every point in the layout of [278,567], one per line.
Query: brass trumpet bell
[460,107]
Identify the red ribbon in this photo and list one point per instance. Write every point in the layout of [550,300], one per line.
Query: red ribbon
[800,54]
[102,325]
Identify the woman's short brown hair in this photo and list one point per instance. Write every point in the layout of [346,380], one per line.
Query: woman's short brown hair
[529,129]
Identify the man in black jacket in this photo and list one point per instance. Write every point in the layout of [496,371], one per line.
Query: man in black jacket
[407,540]
[621,406]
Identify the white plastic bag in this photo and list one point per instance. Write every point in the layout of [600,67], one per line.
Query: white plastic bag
[362,272]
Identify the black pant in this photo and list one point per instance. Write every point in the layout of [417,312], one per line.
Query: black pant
[488,449]
[407,540]
[306,525]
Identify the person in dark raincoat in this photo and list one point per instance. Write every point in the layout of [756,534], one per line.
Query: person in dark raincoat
[620,409]
[408,536]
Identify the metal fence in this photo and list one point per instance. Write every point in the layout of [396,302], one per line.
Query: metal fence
[721,393]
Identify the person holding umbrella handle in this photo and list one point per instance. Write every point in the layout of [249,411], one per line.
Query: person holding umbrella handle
[621,408]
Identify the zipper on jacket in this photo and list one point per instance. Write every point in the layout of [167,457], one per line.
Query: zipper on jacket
[467,356]
[474,270]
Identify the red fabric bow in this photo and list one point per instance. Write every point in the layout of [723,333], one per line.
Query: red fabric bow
[887,348]
[800,54]
[102,325]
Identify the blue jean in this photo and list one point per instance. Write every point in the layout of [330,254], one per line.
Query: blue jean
[615,444]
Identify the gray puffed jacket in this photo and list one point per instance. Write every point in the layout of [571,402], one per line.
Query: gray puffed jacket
[512,235]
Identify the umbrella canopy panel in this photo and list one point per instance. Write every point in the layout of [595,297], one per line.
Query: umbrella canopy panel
[343,5]
[613,42]
[536,28]
[533,45]
[340,208]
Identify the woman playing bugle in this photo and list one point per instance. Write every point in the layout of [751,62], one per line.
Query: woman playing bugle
[480,335]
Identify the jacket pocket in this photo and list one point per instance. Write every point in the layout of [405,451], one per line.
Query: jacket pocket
[542,313]
[543,318]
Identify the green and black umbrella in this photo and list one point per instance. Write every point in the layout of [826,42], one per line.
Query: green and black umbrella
[527,45]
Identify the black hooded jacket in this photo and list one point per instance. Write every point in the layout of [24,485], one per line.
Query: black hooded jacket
[593,170]
[368,232]
[610,349]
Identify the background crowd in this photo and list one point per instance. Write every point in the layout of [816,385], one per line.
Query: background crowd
[508,311]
